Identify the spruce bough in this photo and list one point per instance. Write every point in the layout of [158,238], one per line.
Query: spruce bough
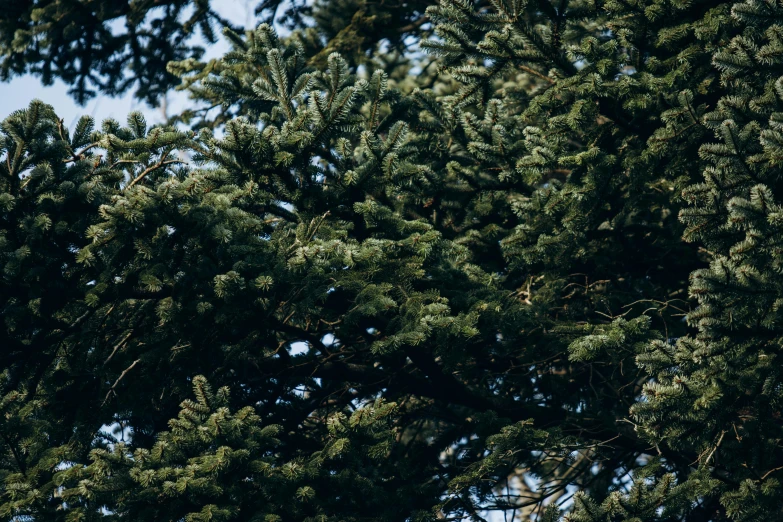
[534,272]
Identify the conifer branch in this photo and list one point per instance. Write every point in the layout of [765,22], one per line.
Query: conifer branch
[152,168]
[114,386]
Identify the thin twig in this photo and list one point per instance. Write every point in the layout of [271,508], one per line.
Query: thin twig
[111,390]
[536,73]
[150,169]
[768,473]
[722,433]
[118,346]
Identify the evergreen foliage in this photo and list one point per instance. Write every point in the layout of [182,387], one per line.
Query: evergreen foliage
[540,280]
[110,46]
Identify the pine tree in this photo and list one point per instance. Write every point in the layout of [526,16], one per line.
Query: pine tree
[532,273]
[111,46]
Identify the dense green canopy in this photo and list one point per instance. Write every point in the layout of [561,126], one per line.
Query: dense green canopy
[509,260]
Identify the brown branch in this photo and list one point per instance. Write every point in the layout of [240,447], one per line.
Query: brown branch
[150,169]
[536,73]
[768,473]
[113,386]
[414,25]
[17,457]
[80,155]
[118,346]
